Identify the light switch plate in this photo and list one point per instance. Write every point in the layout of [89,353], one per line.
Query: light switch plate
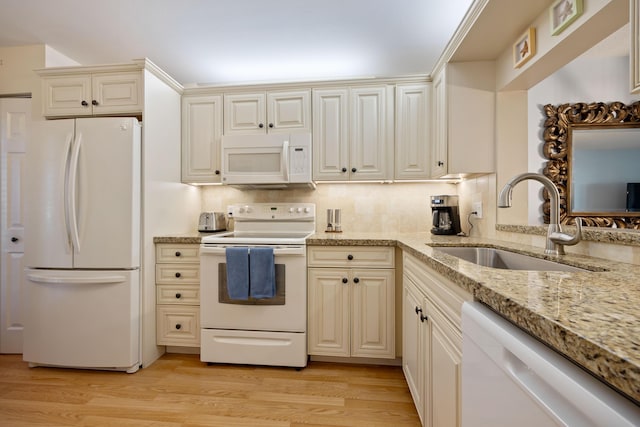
[477,208]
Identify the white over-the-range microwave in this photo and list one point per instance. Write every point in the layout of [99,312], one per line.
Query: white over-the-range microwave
[267,161]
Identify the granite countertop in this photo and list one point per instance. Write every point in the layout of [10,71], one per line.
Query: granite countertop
[591,317]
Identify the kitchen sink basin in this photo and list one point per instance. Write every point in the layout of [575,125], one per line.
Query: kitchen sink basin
[503,259]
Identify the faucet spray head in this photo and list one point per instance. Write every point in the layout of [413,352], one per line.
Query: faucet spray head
[506,195]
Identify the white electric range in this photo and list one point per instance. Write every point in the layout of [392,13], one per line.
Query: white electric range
[260,331]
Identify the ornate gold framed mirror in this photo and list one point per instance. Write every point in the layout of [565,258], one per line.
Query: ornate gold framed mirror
[593,153]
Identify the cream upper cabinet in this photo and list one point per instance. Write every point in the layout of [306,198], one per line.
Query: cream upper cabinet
[267,112]
[412,137]
[351,302]
[90,94]
[371,133]
[432,343]
[463,119]
[201,138]
[330,134]
[439,126]
[353,133]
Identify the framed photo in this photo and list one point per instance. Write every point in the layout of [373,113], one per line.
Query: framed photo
[524,48]
[563,13]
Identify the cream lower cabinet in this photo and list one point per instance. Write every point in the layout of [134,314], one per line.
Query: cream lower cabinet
[432,343]
[351,301]
[178,295]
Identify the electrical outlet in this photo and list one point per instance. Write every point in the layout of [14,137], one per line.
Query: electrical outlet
[477,208]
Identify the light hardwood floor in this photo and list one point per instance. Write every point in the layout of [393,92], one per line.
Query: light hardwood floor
[179,390]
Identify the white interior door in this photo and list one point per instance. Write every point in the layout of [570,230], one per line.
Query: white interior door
[15,117]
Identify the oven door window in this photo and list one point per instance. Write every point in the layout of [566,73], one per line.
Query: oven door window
[278,299]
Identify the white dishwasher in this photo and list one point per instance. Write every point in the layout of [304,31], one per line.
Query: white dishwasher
[511,379]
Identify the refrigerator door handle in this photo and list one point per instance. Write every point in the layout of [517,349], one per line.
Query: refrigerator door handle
[72,194]
[67,214]
[80,280]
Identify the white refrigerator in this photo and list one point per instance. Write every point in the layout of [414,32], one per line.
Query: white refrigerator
[81,300]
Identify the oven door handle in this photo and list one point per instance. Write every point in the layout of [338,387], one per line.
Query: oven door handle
[220,250]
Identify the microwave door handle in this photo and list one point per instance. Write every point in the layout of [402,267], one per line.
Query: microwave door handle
[285,159]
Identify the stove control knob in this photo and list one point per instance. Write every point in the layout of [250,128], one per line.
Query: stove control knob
[307,210]
[291,210]
[247,209]
[299,210]
[241,210]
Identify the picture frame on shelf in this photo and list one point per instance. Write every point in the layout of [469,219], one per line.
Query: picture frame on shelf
[562,13]
[524,48]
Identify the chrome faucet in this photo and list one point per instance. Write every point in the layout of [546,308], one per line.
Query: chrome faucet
[556,239]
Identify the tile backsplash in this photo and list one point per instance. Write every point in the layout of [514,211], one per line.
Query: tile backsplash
[401,207]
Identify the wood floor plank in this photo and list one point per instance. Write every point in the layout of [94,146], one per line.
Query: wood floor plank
[181,391]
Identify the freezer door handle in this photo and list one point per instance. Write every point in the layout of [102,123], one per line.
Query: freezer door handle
[79,280]
[72,195]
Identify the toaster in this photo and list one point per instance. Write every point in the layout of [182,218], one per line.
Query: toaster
[212,221]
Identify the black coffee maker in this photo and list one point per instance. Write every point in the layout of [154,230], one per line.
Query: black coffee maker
[446,218]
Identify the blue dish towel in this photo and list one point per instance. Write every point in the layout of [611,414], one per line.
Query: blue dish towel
[262,273]
[238,272]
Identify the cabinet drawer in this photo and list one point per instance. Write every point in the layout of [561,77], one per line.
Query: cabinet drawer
[172,294]
[178,274]
[177,253]
[351,256]
[178,325]
[445,294]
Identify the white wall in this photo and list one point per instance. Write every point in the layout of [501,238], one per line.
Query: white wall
[17,75]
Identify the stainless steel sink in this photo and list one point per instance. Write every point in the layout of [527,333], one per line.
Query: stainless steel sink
[503,259]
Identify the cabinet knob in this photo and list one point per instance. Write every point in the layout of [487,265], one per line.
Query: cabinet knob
[178,295]
[349,257]
[423,318]
[94,102]
[440,163]
[271,125]
[261,125]
[344,169]
[178,253]
[14,239]
[178,326]
[418,310]
[345,280]
[356,280]
[217,172]
[354,170]
[84,103]
[178,274]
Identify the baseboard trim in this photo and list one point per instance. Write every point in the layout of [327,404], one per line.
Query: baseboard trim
[357,360]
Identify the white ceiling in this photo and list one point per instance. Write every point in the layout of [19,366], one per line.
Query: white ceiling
[239,41]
